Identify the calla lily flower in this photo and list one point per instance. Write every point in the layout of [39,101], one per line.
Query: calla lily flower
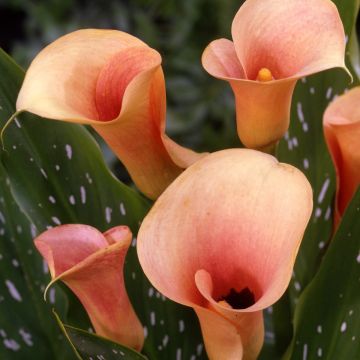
[222,239]
[114,82]
[275,43]
[342,134]
[91,265]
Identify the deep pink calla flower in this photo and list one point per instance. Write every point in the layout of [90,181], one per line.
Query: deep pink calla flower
[222,239]
[275,43]
[91,265]
[114,82]
[342,134]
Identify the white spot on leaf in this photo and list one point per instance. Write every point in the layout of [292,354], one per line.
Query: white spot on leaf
[343,327]
[26,337]
[52,199]
[122,209]
[43,173]
[108,212]
[68,150]
[300,112]
[11,344]
[17,122]
[72,200]
[181,326]
[83,194]
[323,190]
[152,318]
[13,291]
[305,352]
[56,220]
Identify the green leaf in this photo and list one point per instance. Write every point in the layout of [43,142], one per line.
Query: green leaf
[327,317]
[27,329]
[90,346]
[348,11]
[58,175]
[304,147]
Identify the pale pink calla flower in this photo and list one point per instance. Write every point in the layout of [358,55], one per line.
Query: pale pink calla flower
[222,239]
[342,134]
[275,43]
[114,82]
[91,265]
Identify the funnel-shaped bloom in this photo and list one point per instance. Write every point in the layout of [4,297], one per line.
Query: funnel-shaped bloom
[223,239]
[342,133]
[114,82]
[91,265]
[275,42]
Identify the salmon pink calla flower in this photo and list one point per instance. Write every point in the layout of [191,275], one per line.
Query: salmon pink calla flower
[114,82]
[275,43]
[222,239]
[91,265]
[342,134]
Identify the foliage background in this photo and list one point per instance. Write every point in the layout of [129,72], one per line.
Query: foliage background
[200,109]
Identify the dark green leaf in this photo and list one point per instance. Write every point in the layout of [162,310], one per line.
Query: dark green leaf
[90,346]
[304,147]
[27,329]
[327,317]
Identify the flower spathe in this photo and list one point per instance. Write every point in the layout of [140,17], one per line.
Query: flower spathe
[91,265]
[275,42]
[114,82]
[342,134]
[222,239]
